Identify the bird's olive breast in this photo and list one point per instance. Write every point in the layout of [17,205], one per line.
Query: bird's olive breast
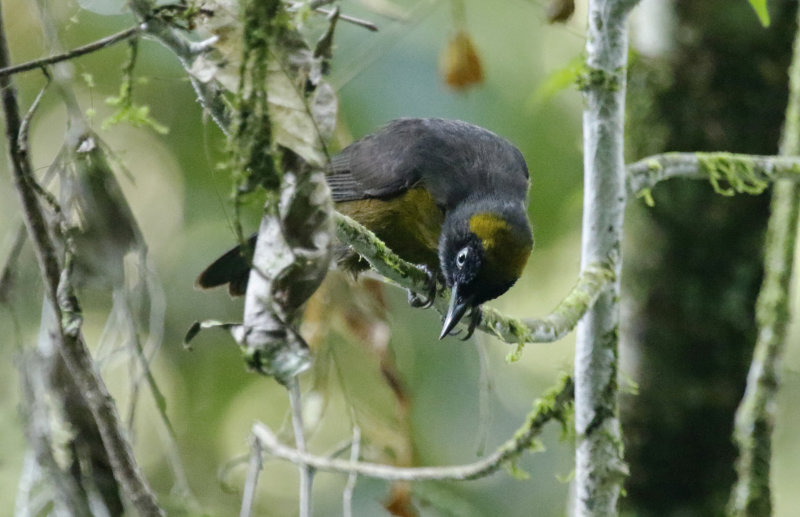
[409,223]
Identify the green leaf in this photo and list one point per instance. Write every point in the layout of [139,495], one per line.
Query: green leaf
[557,81]
[760,7]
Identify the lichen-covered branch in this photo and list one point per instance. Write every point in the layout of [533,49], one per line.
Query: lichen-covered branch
[594,278]
[729,173]
[599,467]
[555,405]
[40,414]
[68,338]
[209,95]
[755,418]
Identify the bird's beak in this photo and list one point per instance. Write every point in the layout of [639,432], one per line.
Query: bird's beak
[458,306]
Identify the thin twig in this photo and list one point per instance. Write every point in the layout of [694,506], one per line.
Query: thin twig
[350,486]
[317,6]
[76,52]
[350,19]
[69,341]
[7,270]
[251,483]
[485,387]
[553,406]
[306,471]
[25,125]
[169,437]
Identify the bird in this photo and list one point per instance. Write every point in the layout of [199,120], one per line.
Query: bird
[445,194]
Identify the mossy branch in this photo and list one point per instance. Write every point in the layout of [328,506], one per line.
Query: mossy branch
[555,405]
[593,280]
[754,424]
[729,173]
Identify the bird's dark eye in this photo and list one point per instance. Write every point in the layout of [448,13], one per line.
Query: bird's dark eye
[461,258]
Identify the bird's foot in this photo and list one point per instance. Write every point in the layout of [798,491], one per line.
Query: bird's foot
[474,320]
[475,316]
[424,302]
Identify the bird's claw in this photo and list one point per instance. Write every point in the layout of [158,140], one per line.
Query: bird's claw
[474,320]
[424,302]
[475,316]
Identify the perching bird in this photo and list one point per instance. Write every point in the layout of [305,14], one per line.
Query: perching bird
[445,194]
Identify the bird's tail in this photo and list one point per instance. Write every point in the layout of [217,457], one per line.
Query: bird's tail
[232,268]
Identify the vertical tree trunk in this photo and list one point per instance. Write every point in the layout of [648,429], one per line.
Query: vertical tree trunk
[599,470]
[694,263]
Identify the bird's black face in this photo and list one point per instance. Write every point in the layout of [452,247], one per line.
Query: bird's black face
[461,266]
[481,255]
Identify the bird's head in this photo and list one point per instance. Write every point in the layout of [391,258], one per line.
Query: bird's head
[482,252]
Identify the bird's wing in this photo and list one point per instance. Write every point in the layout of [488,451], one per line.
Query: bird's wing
[380,165]
[453,160]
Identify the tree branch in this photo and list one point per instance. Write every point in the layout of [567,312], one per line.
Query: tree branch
[253,471]
[208,95]
[755,418]
[7,269]
[68,339]
[739,172]
[555,405]
[306,471]
[42,414]
[594,278]
[366,24]
[76,52]
[352,478]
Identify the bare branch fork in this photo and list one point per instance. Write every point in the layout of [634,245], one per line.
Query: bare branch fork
[555,405]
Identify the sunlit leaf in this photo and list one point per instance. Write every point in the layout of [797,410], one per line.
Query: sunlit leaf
[760,7]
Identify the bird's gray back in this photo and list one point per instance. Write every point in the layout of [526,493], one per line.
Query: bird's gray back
[452,159]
